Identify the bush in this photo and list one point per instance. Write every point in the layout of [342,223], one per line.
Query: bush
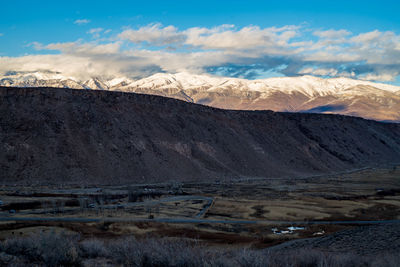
[93,248]
[388,260]
[157,252]
[126,251]
[247,257]
[51,249]
[10,260]
[61,249]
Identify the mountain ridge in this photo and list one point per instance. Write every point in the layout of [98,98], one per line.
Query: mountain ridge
[297,94]
[57,135]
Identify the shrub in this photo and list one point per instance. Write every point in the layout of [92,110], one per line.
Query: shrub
[93,248]
[61,249]
[388,260]
[50,248]
[247,257]
[126,251]
[10,260]
[157,252]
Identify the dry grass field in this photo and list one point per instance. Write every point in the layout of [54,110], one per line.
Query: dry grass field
[336,220]
[252,212]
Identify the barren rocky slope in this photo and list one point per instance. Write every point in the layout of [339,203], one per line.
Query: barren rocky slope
[51,135]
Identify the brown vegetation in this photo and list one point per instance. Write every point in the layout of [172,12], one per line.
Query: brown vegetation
[61,249]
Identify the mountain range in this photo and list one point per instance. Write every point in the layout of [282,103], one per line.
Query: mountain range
[307,94]
[58,135]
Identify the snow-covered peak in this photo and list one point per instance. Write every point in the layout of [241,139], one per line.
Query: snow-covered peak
[311,86]
[119,81]
[307,85]
[95,83]
[302,93]
[36,75]
[156,80]
[347,82]
[187,79]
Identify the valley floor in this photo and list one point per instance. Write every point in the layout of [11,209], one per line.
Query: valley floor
[322,212]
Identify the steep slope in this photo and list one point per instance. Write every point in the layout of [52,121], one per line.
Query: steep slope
[298,94]
[51,135]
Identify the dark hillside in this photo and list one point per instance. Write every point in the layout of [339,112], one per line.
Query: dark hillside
[85,136]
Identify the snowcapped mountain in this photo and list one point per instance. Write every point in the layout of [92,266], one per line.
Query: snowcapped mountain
[39,79]
[296,94]
[96,84]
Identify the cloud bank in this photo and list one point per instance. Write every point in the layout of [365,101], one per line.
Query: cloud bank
[248,52]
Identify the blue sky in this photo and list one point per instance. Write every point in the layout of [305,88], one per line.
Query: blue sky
[137,37]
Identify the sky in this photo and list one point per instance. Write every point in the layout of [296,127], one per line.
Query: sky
[245,39]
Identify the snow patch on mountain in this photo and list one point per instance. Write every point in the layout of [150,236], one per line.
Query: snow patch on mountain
[303,93]
[308,85]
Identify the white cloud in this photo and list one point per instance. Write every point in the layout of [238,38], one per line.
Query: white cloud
[330,56]
[1,34]
[95,32]
[75,66]
[224,37]
[319,72]
[332,34]
[37,46]
[383,77]
[81,21]
[367,37]
[154,34]
[251,37]
[153,48]
[85,49]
